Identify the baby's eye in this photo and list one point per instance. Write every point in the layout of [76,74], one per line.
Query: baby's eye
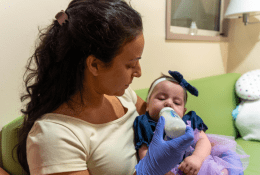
[161,98]
[177,102]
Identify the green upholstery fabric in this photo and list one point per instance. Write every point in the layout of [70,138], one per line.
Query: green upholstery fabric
[253,149]
[9,140]
[215,103]
[142,93]
[1,160]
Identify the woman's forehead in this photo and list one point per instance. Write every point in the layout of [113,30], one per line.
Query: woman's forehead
[133,50]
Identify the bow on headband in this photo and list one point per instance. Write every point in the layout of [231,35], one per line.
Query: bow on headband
[178,77]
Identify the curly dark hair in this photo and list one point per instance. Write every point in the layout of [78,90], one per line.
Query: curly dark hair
[55,72]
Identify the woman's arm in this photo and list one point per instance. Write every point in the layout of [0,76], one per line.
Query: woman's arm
[140,105]
[3,172]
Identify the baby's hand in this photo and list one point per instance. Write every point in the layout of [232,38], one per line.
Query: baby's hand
[191,165]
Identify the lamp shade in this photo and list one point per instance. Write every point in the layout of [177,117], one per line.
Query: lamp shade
[238,7]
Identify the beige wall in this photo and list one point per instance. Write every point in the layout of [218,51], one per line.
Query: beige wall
[20,19]
[244,46]
[193,59]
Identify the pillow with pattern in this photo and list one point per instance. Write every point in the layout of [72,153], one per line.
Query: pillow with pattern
[248,85]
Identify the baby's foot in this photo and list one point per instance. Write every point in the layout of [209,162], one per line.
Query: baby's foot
[224,172]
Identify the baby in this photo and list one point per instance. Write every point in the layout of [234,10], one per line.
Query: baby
[171,92]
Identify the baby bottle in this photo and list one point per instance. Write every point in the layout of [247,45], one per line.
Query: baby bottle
[174,125]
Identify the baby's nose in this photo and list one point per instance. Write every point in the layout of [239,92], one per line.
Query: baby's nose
[167,104]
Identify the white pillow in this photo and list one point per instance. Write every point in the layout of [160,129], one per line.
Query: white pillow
[248,85]
[248,120]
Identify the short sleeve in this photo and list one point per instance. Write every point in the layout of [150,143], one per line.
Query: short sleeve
[196,121]
[54,148]
[143,128]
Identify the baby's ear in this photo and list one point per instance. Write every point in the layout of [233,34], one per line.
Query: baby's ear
[185,109]
[147,106]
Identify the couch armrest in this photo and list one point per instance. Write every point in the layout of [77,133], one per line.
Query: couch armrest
[1,161]
[8,142]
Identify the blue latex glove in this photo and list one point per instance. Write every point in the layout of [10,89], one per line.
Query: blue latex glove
[163,155]
[232,158]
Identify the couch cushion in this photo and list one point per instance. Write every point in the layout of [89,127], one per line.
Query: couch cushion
[215,103]
[142,93]
[1,161]
[253,149]
[8,142]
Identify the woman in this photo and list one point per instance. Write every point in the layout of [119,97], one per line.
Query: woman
[81,111]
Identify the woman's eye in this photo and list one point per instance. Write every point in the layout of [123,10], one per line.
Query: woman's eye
[131,66]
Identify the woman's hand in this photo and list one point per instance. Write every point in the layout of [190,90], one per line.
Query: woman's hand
[163,155]
[191,165]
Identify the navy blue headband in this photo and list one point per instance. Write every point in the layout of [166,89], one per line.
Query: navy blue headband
[178,77]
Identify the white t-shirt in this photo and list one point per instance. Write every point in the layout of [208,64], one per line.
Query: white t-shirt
[59,143]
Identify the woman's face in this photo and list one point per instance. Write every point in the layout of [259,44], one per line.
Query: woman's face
[166,94]
[115,79]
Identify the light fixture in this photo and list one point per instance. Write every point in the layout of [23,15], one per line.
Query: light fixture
[243,9]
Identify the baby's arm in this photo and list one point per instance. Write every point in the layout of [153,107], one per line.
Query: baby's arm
[203,147]
[202,150]
[142,151]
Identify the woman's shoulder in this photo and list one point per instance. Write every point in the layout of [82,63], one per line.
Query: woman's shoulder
[52,140]
[52,126]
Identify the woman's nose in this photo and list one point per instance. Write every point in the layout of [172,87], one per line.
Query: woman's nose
[137,71]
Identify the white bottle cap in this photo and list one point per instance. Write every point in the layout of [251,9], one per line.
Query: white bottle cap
[165,109]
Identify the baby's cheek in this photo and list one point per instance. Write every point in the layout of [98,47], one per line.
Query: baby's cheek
[180,112]
[154,116]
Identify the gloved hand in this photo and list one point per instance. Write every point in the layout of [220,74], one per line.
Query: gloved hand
[163,155]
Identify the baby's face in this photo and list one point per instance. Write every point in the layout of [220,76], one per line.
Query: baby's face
[166,94]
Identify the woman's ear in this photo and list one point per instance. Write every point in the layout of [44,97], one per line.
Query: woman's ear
[93,65]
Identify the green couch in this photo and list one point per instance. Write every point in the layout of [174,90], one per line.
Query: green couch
[215,103]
